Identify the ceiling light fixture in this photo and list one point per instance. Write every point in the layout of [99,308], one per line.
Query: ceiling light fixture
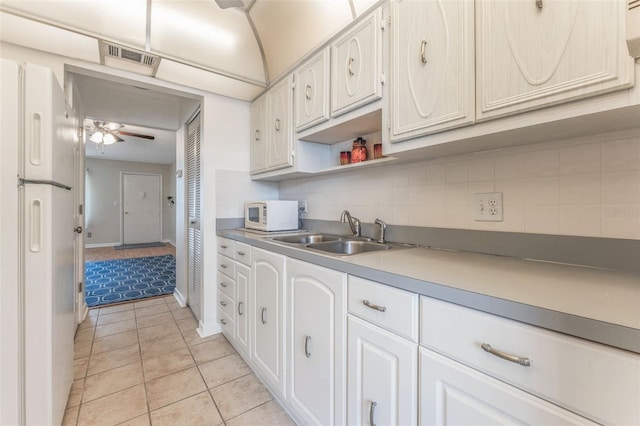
[240,4]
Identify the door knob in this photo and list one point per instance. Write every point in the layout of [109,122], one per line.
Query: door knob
[78,229]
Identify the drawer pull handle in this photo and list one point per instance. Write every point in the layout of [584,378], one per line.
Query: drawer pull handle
[223,247]
[307,339]
[223,303]
[372,413]
[223,322]
[372,306]
[240,253]
[513,358]
[263,316]
[239,311]
[223,266]
[223,285]
[423,51]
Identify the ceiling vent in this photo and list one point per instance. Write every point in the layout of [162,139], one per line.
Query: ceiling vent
[124,58]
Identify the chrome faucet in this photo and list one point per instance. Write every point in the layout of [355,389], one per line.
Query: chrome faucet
[354,222]
[383,228]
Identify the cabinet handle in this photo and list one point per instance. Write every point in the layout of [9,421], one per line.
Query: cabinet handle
[307,92]
[513,358]
[240,253]
[307,339]
[223,266]
[223,247]
[350,66]
[423,51]
[256,135]
[372,413]
[223,303]
[263,316]
[239,311]
[224,285]
[372,306]
[223,321]
[539,4]
[277,124]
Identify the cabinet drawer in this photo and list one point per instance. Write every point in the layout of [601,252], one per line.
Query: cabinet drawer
[226,285]
[593,380]
[226,304]
[227,325]
[226,265]
[226,246]
[389,307]
[242,253]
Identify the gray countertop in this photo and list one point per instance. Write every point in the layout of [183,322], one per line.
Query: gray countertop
[597,304]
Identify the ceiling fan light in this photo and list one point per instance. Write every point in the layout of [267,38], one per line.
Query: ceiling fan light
[110,139]
[97,137]
[113,126]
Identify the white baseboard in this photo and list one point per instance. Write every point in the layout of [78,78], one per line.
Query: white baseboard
[179,298]
[173,243]
[84,310]
[208,329]
[101,245]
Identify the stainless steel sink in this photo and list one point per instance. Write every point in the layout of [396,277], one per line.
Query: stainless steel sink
[306,238]
[348,247]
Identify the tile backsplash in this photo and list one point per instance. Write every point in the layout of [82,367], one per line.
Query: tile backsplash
[588,186]
[234,187]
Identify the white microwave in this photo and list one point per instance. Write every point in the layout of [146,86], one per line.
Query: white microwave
[271,215]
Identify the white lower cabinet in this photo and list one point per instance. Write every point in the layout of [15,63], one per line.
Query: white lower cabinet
[453,394]
[267,293]
[242,309]
[316,348]
[382,376]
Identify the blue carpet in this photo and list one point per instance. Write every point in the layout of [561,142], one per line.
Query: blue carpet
[120,280]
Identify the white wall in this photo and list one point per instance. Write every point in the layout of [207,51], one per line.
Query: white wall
[587,186]
[234,187]
[169,212]
[103,203]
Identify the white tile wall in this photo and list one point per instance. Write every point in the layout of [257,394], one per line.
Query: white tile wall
[233,188]
[586,186]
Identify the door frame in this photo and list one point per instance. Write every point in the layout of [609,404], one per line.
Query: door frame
[122,175]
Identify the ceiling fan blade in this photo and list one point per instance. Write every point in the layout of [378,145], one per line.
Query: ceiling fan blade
[137,135]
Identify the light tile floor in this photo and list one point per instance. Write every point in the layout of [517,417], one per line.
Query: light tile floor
[143,363]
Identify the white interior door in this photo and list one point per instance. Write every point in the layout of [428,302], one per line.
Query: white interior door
[142,209]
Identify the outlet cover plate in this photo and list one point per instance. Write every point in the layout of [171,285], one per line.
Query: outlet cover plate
[302,206]
[487,207]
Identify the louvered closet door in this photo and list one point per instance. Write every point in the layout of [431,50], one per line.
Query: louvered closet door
[194,244]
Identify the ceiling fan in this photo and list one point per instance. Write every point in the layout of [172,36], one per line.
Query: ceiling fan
[108,133]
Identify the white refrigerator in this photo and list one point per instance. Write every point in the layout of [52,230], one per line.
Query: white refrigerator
[37,144]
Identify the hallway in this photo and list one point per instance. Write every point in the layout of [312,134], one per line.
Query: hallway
[144,363]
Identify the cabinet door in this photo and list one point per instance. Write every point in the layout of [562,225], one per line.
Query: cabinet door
[280,125]
[267,287]
[242,309]
[382,376]
[312,91]
[533,54]
[315,342]
[432,67]
[453,394]
[356,66]
[258,135]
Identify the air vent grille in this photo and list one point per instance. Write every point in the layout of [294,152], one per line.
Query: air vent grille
[633,4]
[122,57]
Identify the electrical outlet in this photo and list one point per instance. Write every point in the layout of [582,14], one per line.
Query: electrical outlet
[88,234]
[302,206]
[487,207]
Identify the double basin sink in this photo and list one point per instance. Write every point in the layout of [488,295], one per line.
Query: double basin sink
[337,245]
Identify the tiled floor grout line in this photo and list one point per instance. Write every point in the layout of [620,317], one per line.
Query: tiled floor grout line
[144,378]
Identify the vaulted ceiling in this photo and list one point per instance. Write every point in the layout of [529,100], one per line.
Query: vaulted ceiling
[237,52]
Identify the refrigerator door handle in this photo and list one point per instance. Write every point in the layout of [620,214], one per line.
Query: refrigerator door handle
[35,225]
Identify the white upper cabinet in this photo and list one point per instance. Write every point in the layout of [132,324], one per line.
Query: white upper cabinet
[312,91]
[258,140]
[279,125]
[356,66]
[431,66]
[531,54]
